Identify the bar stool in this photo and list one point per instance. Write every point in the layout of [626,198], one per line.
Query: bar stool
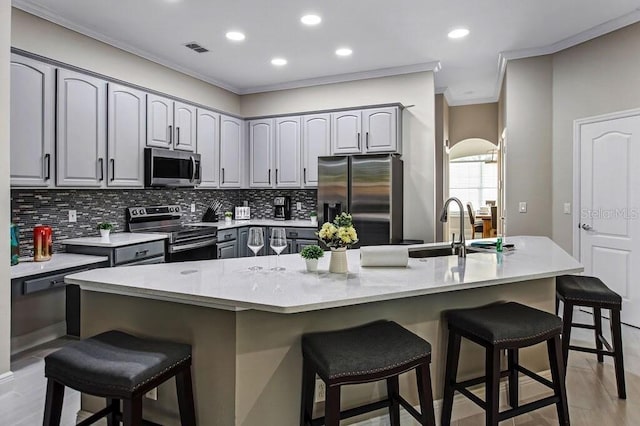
[117,366]
[509,326]
[376,351]
[578,290]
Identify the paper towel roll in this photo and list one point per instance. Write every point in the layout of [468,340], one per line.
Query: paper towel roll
[384,256]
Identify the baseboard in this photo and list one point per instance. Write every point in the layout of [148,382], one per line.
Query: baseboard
[6,382]
[38,337]
[463,407]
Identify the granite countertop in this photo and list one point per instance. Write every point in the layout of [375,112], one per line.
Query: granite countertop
[229,284]
[59,261]
[221,224]
[118,239]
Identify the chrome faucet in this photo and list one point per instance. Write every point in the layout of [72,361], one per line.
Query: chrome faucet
[455,245]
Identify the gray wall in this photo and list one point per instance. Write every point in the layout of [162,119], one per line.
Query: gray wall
[473,121]
[5,296]
[442,135]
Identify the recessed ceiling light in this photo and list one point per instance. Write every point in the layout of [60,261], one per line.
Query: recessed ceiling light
[344,51]
[279,62]
[311,19]
[458,33]
[235,36]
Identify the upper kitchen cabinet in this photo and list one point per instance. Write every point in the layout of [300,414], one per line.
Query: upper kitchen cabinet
[347,132]
[231,152]
[381,130]
[126,136]
[81,130]
[170,124]
[260,153]
[208,144]
[316,142]
[287,152]
[32,122]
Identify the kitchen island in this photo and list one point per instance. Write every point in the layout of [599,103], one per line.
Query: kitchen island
[245,326]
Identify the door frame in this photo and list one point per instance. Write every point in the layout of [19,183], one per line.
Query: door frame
[577,133]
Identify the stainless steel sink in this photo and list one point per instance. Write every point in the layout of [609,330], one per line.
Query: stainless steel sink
[435,251]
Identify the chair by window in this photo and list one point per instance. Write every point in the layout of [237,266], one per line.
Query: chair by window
[476,226]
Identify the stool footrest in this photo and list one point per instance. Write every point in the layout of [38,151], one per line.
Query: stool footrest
[472,396]
[591,350]
[416,415]
[477,380]
[534,376]
[513,412]
[587,326]
[356,411]
[95,417]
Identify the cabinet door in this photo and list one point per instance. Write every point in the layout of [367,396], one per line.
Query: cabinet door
[227,250]
[230,152]
[185,122]
[208,144]
[380,128]
[287,152]
[346,132]
[159,122]
[81,130]
[260,153]
[32,122]
[126,136]
[316,142]
[243,238]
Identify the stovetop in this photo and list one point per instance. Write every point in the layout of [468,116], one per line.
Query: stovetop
[166,220]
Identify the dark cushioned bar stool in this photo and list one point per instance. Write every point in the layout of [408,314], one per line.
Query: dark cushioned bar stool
[578,290]
[376,351]
[509,326]
[118,366]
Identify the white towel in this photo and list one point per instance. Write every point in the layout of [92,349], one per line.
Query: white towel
[397,256]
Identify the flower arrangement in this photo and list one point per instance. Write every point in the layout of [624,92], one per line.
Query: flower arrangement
[105,226]
[228,215]
[339,233]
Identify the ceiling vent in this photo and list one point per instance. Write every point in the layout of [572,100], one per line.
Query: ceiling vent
[196,47]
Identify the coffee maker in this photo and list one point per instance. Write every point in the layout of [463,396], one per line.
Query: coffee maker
[282,208]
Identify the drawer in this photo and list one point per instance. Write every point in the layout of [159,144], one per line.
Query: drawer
[46,283]
[303,233]
[227,235]
[138,252]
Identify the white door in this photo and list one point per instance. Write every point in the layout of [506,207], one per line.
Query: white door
[185,132]
[346,129]
[126,136]
[380,127]
[287,152]
[609,228]
[32,122]
[316,142]
[260,153]
[230,152]
[81,130]
[159,122]
[208,137]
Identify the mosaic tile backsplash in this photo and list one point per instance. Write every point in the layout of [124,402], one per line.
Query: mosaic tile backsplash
[31,207]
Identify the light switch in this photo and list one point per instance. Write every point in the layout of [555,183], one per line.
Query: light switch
[193,207]
[73,217]
[523,207]
[567,208]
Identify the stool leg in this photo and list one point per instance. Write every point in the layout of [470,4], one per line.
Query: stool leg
[308,390]
[184,389]
[425,394]
[53,403]
[616,333]
[557,305]
[597,322]
[393,388]
[513,377]
[450,376]
[112,417]
[558,376]
[132,411]
[567,319]
[492,385]
[332,406]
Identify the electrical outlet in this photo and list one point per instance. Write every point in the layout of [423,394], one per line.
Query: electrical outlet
[321,391]
[73,216]
[298,205]
[523,207]
[193,207]
[152,394]
[567,208]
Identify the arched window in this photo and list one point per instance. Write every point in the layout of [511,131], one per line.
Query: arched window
[473,172]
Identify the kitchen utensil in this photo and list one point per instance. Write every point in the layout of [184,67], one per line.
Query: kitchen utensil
[42,243]
[15,244]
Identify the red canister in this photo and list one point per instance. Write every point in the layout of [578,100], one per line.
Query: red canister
[42,243]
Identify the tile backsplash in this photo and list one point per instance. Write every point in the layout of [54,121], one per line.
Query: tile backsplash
[31,207]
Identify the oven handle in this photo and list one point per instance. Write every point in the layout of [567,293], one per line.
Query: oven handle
[205,243]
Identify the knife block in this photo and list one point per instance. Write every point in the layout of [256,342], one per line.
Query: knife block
[210,216]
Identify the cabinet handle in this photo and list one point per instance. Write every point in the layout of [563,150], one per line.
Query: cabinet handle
[269,176]
[358,140]
[170,135]
[177,135]
[222,175]
[101,163]
[304,175]
[141,253]
[228,236]
[276,176]
[367,139]
[113,169]
[47,165]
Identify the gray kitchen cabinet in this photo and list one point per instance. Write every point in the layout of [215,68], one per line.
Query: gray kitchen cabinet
[346,131]
[159,122]
[208,146]
[227,250]
[287,152]
[81,130]
[134,254]
[316,142]
[126,136]
[243,238]
[185,122]
[231,152]
[32,122]
[300,244]
[260,153]
[381,130]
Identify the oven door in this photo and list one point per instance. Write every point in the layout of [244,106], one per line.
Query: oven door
[204,249]
[171,168]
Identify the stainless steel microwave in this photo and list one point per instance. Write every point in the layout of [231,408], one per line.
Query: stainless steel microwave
[163,167]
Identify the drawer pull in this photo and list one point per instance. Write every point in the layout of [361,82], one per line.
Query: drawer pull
[227,236]
[141,253]
[293,234]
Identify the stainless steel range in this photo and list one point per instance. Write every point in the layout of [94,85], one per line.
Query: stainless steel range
[184,242]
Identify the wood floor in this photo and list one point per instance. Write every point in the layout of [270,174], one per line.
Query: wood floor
[591,388]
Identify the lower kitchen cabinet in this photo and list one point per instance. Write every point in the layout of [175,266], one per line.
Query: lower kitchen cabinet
[227,250]
[300,244]
[243,239]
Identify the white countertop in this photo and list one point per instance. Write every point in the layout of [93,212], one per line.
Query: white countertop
[229,284]
[221,224]
[59,261]
[118,239]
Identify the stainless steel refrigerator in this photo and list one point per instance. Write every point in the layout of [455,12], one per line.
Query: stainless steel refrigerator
[369,187]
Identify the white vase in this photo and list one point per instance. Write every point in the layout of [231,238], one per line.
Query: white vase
[227,220]
[312,265]
[314,220]
[338,262]
[104,233]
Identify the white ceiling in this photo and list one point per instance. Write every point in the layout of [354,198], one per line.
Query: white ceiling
[387,37]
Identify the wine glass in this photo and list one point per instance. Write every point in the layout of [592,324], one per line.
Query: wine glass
[255,242]
[278,244]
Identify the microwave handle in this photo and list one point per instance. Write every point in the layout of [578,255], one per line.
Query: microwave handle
[193,169]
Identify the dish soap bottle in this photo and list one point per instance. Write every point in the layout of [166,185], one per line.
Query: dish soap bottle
[15,244]
[499,244]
